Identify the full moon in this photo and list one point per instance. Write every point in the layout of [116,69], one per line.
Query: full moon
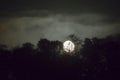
[68,46]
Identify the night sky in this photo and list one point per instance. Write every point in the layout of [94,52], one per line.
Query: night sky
[29,20]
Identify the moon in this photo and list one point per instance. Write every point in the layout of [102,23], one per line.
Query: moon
[68,46]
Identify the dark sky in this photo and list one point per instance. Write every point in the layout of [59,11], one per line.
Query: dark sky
[29,20]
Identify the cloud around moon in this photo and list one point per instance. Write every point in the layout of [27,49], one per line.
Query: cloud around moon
[18,30]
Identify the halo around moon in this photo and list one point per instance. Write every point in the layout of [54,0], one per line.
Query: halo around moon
[68,46]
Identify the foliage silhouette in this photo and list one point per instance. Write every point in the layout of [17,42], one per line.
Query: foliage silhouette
[97,59]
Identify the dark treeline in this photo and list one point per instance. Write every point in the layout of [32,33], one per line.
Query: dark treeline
[97,59]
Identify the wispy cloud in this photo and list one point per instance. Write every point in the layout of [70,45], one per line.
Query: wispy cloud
[22,29]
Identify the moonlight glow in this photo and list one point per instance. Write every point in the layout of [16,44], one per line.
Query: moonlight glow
[68,46]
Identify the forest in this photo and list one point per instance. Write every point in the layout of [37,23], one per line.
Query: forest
[96,59]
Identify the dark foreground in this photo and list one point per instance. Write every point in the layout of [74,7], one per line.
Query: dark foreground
[98,59]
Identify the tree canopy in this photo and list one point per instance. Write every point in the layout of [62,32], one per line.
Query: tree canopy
[96,59]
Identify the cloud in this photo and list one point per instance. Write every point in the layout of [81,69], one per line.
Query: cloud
[17,30]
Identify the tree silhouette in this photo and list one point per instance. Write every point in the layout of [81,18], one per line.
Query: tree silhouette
[96,59]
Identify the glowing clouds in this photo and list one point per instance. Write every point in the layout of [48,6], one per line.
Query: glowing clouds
[68,46]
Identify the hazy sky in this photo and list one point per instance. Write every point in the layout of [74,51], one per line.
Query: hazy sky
[29,20]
